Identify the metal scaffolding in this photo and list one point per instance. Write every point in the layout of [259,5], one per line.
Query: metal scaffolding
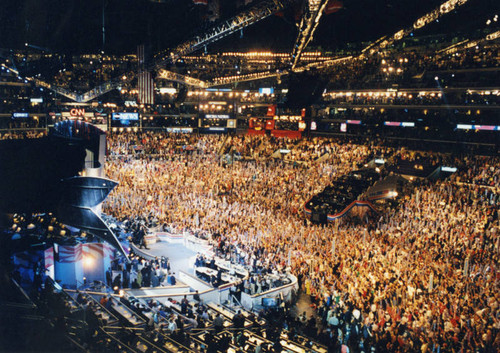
[187,80]
[253,15]
[219,81]
[308,24]
[423,21]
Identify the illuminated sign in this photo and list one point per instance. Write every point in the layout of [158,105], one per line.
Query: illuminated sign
[478,127]
[20,115]
[399,123]
[77,112]
[354,122]
[314,126]
[343,127]
[125,116]
[217,116]
[266,90]
[130,103]
[449,169]
[288,117]
[231,123]
[168,90]
[36,100]
[182,130]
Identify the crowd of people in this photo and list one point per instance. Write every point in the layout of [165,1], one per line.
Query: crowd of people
[22,135]
[415,68]
[422,276]
[411,98]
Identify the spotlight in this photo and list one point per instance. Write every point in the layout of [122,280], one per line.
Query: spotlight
[88,261]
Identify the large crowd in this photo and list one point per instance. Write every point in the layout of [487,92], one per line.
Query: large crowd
[423,276]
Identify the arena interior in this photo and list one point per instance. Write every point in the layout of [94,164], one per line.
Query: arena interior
[250,176]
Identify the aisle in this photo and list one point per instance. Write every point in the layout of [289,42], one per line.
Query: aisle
[303,304]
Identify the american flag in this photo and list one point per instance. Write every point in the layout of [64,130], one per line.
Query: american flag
[109,251]
[145,81]
[146,88]
[93,250]
[49,257]
[69,254]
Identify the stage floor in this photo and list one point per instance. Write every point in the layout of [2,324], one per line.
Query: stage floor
[181,258]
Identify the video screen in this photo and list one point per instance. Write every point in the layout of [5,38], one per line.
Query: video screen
[125,119]
[269,302]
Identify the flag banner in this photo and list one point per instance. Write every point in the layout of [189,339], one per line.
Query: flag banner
[70,254]
[146,88]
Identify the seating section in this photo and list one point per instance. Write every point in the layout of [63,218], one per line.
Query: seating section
[112,323]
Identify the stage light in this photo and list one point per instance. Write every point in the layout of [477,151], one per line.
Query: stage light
[88,261]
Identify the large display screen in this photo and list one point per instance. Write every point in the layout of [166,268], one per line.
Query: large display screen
[20,115]
[399,123]
[125,118]
[270,302]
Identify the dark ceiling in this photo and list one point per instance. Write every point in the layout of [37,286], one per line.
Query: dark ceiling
[75,26]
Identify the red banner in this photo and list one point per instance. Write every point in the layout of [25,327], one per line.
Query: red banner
[333,6]
[271,110]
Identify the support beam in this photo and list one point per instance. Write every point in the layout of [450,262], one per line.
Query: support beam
[187,80]
[256,13]
[219,81]
[466,44]
[423,21]
[308,24]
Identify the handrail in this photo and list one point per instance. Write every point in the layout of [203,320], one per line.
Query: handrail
[117,340]
[82,348]
[294,281]
[26,296]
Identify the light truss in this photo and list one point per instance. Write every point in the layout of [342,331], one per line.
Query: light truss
[423,21]
[219,81]
[187,80]
[59,90]
[324,64]
[308,24]
[253,15]
[466,44]
[103,89]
